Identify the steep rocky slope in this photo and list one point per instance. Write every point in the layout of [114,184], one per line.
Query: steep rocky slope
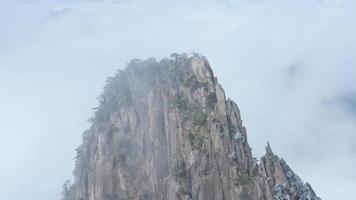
[165,130]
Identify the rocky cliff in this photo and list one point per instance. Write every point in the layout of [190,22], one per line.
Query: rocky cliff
[165,130]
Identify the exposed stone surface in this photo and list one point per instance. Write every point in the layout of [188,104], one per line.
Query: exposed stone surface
[165,130]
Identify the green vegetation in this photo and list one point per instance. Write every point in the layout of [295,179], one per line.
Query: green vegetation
[211,100]
[232,132]
[240,137]
[122,149]
[243,179]
[146,195]
[82,157]
[244,194]
[116,93]
[273,158]
[197,120]
[232,129]
[221,133]
[81,162]
[196,141]
[178,168]
[180,103]
[201,119]
[66,193]
[254,170]
[189,111]
[191,81]
[185,110]
[176,74]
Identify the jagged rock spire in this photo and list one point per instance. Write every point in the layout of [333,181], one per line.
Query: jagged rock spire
[269,149]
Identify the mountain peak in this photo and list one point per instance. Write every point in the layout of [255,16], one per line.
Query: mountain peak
[165,130]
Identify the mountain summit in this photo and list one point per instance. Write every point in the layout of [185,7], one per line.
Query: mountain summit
[164,131]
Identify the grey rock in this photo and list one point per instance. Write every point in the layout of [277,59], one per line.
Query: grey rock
[165,130]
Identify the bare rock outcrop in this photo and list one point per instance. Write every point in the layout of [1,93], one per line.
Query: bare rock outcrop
[165,130]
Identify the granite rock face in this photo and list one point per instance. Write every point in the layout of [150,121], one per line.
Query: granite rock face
[164,131]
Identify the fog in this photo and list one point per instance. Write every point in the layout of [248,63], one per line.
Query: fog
[288,64]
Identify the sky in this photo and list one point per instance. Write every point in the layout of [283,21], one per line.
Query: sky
[288,64]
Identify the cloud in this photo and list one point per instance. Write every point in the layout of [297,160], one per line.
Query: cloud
[347,102]
[289,65]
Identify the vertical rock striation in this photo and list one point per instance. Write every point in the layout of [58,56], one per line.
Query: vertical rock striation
[165,130]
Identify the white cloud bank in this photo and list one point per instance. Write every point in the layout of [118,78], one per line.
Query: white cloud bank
[289,64]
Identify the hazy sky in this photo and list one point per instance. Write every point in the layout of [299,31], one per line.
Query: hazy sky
[289,64]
